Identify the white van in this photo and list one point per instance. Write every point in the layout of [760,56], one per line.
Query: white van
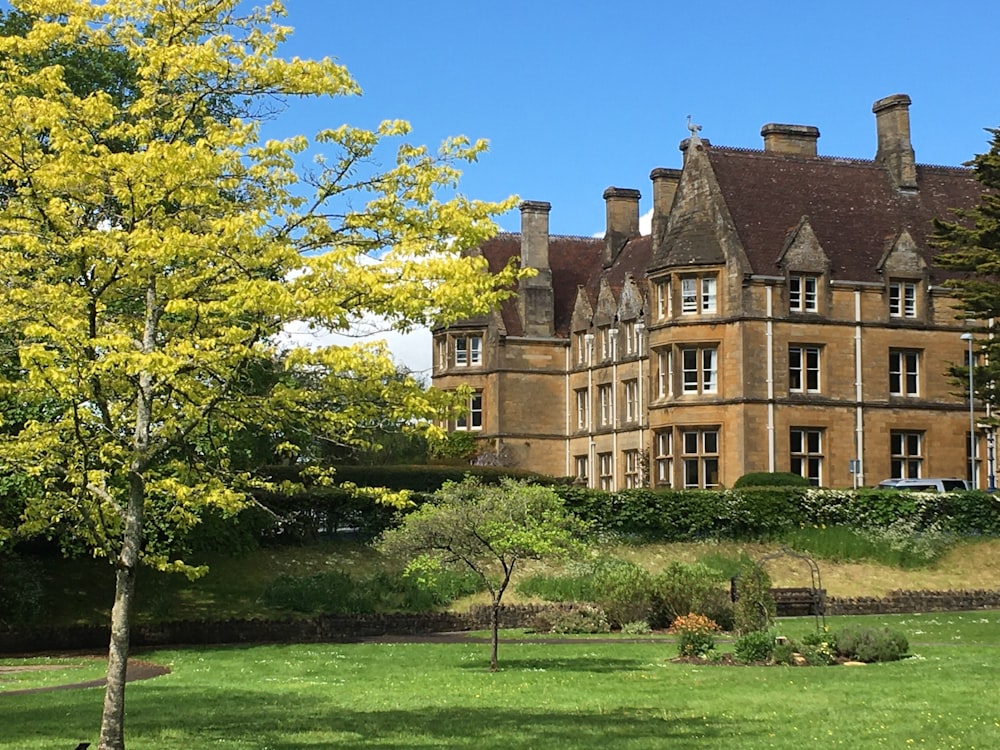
[925,484]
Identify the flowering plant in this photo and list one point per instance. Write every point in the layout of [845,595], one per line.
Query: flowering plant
[695,634]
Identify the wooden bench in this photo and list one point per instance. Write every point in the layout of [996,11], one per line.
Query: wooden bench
[799,602]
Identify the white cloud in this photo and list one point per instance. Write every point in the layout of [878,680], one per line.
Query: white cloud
[412,350]
[646,222]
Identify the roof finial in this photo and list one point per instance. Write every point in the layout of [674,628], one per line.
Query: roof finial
[693,128]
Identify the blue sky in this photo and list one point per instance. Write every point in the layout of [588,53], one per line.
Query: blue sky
[577,96]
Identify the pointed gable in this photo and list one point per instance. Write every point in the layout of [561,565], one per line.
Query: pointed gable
[803,252]
[902,258]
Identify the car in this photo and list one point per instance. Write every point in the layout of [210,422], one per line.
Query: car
[925,484]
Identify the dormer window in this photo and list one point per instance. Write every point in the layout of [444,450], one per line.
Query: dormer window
[803,294]
[698,295]
[902,299]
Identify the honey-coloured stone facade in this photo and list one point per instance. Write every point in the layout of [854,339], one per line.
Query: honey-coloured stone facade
[785,314]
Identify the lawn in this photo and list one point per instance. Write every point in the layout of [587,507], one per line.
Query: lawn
[588,694]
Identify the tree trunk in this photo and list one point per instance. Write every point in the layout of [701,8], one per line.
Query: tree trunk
[113,718]
[494,635]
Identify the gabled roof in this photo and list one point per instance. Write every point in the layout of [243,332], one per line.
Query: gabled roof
[851,206]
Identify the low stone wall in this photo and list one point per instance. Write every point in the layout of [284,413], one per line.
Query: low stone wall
[348,628]
[908,602]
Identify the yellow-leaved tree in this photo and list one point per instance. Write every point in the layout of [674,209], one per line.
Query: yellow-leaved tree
[153,250]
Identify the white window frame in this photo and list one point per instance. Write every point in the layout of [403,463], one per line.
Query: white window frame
[906,451]
[606,399]
[468,351]
[663,442]
[583,409]
[803,293]
[806,453]
[631,340]
[904,372]
[604,332]
[699,295]
[665,368]
[442,353]
[583,469]
[663,300]
[473,420]
[699,369]
[903,299]
[630,389]
[606,470]
[700,458]
[804,363]
[632,471]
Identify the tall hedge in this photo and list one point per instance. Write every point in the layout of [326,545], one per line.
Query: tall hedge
[759,513]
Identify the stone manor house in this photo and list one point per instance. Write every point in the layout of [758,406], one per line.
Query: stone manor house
[785,314]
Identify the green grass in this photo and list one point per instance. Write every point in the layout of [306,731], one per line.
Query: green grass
[582,695]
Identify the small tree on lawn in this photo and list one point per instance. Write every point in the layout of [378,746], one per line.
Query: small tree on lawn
[488,529]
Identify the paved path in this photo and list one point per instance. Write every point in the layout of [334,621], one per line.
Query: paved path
[137,670]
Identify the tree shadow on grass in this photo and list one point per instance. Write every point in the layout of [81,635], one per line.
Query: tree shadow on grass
[596,663]
[241,719]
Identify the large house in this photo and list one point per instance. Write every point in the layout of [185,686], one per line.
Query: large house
[784,314]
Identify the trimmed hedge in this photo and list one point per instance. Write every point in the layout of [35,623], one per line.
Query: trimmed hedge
[748,513]
[762,513]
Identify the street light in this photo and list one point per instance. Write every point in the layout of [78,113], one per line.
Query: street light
[972,416]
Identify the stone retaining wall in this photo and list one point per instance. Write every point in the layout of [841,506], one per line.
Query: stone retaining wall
[906,602]
[345,628]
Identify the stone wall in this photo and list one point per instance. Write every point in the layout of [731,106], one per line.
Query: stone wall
[906,602]
[348,628]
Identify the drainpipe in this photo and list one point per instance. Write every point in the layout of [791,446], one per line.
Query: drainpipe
[769,334]
[859,412]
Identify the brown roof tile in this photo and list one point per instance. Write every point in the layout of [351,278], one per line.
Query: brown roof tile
[851,205]
[573,260]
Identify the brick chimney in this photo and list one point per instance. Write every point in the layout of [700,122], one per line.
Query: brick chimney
[895,152]
[622,206]
[535,298]
[799,140]
[665,182]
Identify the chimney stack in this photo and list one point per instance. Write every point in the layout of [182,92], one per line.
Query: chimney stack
[665,182]
[536,300]
[622,206]
[799,140]
[895,152]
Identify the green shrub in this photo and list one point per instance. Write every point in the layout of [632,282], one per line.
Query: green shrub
[755,647]
[754,608]
[771,479]
[905,545]
[870,644]
[336,592]
[623,590]
[784,653]
[682,588]
[695,634]
[580,619]
[639,627]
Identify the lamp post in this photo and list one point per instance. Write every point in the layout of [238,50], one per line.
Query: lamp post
[967,337]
